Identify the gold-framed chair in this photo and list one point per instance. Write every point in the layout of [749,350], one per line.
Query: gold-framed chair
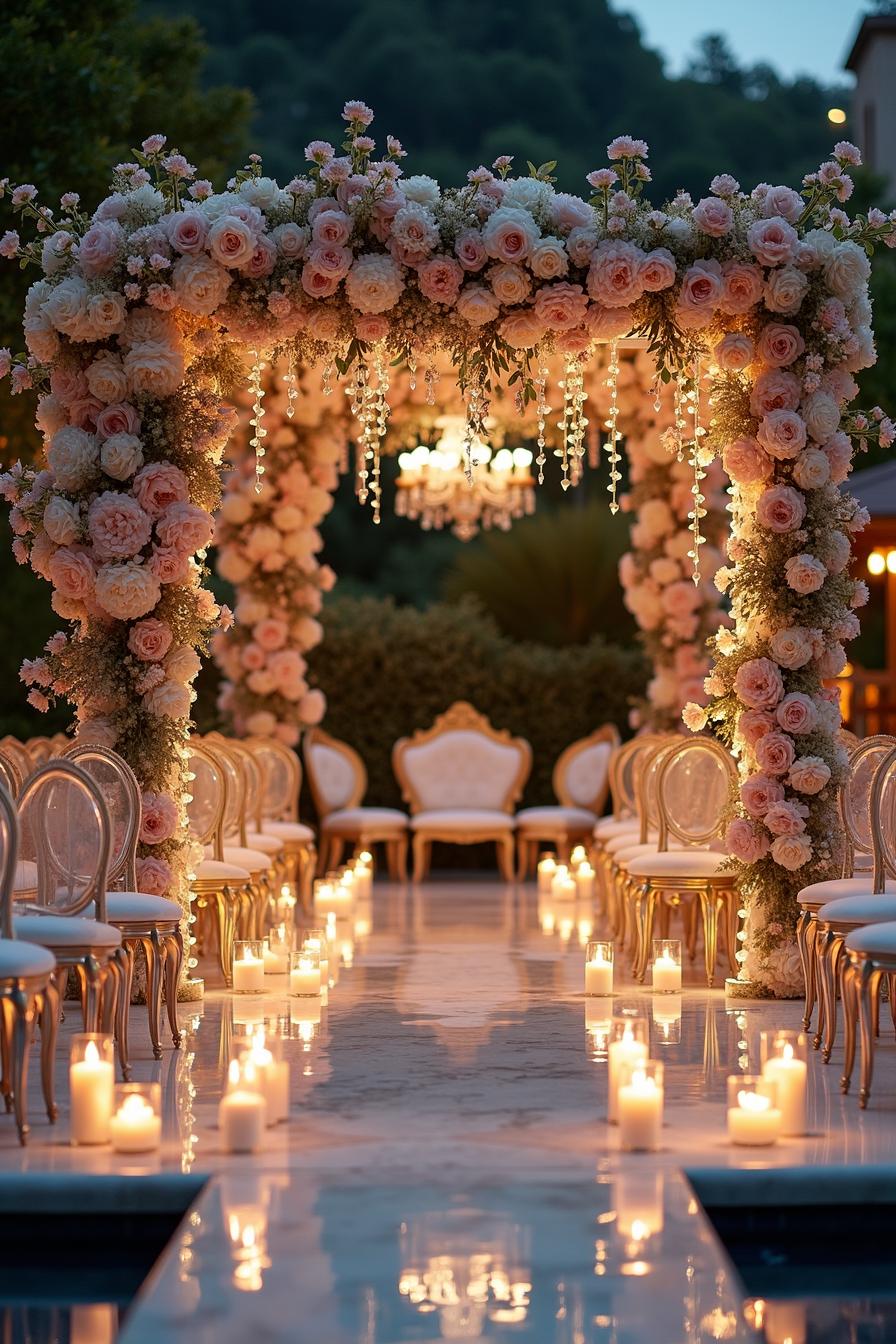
[581,783]
[28,991]
[337,778]
[277,809]
[260,863]
[462,778]
[221,888]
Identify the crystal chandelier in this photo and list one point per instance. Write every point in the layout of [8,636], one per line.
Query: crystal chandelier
[434,488]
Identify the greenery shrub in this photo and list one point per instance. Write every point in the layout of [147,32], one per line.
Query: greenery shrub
[389,670]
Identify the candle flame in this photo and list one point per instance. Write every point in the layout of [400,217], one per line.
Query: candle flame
[753,1101]
[134,1107]
[91,1054]
[787,1052]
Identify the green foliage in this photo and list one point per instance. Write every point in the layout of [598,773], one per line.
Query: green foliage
[552,577]
[390,670]
[27,622]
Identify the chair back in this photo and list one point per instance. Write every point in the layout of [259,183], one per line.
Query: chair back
[695,783]
[252,779]
[336,774]
[281,779]
[646,775]
[882,811]
[233,820]
[40,749]
[581,775]
[117,783]
[208,796]
[14,751]
[623,777]
[462,763]
[854,802]
[64,828]
[10,775]
[9,853]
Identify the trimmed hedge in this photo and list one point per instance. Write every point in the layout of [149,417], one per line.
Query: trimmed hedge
[390,670]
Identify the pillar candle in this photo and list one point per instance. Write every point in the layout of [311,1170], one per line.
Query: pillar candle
[599,976]
[626,1049]
[585,882]
[135,1127]
[753,1122]
[304,978]
[92,1086]
[790,1074]
[242,1113]
[276,959]
[248,974]
[547,867]
[640,1112]
[666,975]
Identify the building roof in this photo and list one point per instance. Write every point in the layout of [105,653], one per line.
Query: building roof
[871,26]
[875,487]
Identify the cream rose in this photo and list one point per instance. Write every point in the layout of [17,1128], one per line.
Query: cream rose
[127,591]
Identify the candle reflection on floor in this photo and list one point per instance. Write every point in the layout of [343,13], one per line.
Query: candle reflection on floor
[468,1266]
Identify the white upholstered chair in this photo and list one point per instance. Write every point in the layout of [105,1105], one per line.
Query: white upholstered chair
[581,781]
[462,778]
[338,781]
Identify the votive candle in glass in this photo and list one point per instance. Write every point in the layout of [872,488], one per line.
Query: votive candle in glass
[304,973]
[666,969]
[784,1056]
[547,867]
[363,871]
[754,1120]
[584,878]
[277,947]
[316,940]
[264,1051]
[248,966]
[136,1124]
[91,1087]
[627,1044]
[599,969]
[640,1104]
[563,884]
[242,1113]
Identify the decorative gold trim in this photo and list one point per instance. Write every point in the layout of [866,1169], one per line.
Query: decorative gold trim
[461,716]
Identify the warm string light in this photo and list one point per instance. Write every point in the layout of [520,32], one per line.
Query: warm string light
[680,422]
[370,407]
[573,424]
[292,391]
[542,411]
[698,511]
[259,433]
[612,425]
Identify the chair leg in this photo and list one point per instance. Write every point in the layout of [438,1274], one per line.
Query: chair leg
[226,900]
[850,986]
[422,850]
[522,857]
[832,976]
[804,939]
[49,1023]
[153,953]
[23,1023]
[337,847]
[91,991]
[5,1044]
[401,851]
[709,906]
[125,961]
[869,983]
[174,960]
[504,846]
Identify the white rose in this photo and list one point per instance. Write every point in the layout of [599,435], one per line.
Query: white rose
[784,290]
[527,193]
[847,270]
[106,315]
[199,283]
[261,191]
[72,457]
[812,469]
[127,590]
[62,520]
[51,415]
[66,305]
[154,368]
[374,283]
[41,339]
[549,260]
[121,456]
[182,664]
[106,378]
[814,248]
[822,416]
[422,189]
[170,700]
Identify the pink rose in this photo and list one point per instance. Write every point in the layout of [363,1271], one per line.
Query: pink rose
[312,706]
[786,818]
[791,851]
[470,250]
[783,201]
[154,876]
[270,633]
[185,527]
[561,306]
[522,329]
[68,383]
[439,279]
[681,598]
[758,792]
[758,683]
[253,657]
[118,527]
[832,661]
[318,283]
[72,573]
[169,565]
[477,305]
[772,241]
[809,774]
[200,284]
[158,818]
[371,327]
[187,231]
[782,434]
[780,343]
[791,647]
[658,270]
[263,259]
[838,451]
[701,287]
[746,462]
[812,469]
[713,216]
[120,418]
[797,713]
[774,390]
[231,242]
[753,724]
[746,842]
[605,324]
[780,509]
[158,485]
[805,574]
[734,351]
[149,640]
[332,227]
[741,287]
[614,276]
[775,753]
[100,247]
[509,234]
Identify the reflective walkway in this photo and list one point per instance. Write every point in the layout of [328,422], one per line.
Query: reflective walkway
[447,1171]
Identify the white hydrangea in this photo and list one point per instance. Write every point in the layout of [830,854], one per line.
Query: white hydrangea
[422,189]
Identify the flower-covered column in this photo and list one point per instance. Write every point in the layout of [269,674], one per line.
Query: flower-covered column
[268,546]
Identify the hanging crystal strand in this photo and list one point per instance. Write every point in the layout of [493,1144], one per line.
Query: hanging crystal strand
[612,424]
[326,380]
[542,410]
[259,433]
[563,424]
[698,512]
[292,392]
[657,394]
[378,430]
[431,377]
[680,422]
[357,391]
[412,370]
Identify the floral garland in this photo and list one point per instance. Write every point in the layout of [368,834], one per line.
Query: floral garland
[268,543]
[676,617]
[132,337]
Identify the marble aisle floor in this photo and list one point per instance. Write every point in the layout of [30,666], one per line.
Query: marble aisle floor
[447,1126]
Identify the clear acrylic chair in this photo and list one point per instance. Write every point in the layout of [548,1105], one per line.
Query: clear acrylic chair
[220,887]
[149,924]
[65,829]
[28,992]
[278,808]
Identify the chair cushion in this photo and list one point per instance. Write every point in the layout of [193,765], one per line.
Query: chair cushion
[678,863]
[220,871]
[626,839]
[288,830]
[26,876]
[65,931]
[622,857]
[122,906]
[819,893]
[607,827]
[554,819]
[21,958]
[253,859]
[353,820]
[462,819]
[864,909]
[873,938]
[267,844]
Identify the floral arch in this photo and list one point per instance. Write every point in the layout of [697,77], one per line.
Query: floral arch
[756,314]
